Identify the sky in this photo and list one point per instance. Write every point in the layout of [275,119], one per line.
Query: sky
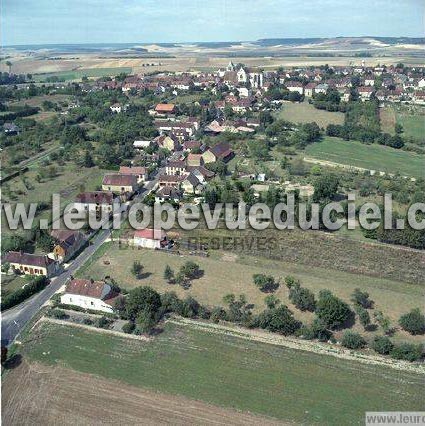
[148,21]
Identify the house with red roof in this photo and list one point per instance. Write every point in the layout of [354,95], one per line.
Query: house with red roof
[31,264]
[150,238]
[89,294]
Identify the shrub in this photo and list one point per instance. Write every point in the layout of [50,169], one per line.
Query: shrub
[364,316]
[331,310]
[217,314]
[265,283]
[18,296]
[103,322]
[352,340]
[361,298]
[87,321]
[128,327]
[413,322]
[190,270]
[189,307]
[302,298]
[407,352]
[382,345]
[142,299]
[57,313]
[279,320]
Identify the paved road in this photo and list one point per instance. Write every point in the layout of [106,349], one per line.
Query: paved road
[13,320]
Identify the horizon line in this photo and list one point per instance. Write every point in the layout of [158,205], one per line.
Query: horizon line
[197,42]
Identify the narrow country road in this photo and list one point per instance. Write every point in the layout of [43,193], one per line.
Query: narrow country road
[13,320]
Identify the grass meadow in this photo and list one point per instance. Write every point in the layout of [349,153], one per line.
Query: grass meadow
[374,157]
[304,112]
[226,272]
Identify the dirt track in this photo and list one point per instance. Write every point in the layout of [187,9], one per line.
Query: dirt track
[34,394]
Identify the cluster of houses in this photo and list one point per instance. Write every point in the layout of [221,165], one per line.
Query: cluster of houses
[388,83]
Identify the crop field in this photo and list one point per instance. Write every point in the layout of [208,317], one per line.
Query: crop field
[227,272]
[230,372]
[69,397]
[80,73]
[373,157]
[305,113]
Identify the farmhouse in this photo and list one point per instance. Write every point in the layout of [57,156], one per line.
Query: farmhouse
[192,184]
[68,243]
[309,89]
[141,144]
[295,86]
[167,194]
[194,160]
[31,264]
[165,109]
[89,294]
[96,201]
[170,180]
[150,238]
[117,108]
[365,92]
[120,184]
[221,151]
[141,173]
[175,168]
[169,142]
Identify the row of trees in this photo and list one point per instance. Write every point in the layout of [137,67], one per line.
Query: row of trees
[144,307]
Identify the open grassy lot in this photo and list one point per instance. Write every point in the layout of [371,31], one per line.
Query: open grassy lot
[306,113]
[80,73]
[374,157]
[11,283]
[226,371]
[226,272]
[413,123]
[69,180]
[388,119]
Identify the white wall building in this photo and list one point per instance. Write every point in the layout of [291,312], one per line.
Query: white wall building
[89,294]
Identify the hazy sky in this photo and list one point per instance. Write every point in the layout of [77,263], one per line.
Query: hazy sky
[145,21]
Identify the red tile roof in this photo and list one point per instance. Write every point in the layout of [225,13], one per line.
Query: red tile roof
[133,170]
[150,234]
[90,288]
[95,197]
[165,108]
[119,180]
[28,259]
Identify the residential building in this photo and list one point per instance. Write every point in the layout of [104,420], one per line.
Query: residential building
[89,294]
[31,264]
[141,173]
[221,151]
[120,184]
[67,243]
[150,238]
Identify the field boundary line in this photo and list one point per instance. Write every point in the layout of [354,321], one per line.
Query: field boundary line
[299,344]
[94,329]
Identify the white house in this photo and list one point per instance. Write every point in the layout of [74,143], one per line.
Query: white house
[150,238]
[118,108]
[141,144]
[295,86]
[89,294]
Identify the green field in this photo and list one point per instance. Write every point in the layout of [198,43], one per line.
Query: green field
[227,371]
[80,73]
[413,124]
[306,113]
[374,157]
[226,272]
